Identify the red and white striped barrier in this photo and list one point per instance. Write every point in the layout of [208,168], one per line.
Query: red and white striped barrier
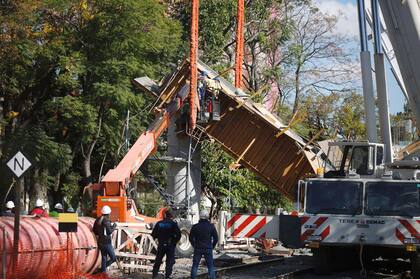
[407,229]
[252,226]
[315,224]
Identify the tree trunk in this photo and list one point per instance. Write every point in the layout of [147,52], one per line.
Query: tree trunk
[86,167]
[86,163]
[39,190]
[297,90]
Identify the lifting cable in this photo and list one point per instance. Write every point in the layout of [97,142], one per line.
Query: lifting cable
[239,53]
[193,62]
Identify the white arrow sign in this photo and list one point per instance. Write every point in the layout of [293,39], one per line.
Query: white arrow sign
[19,164]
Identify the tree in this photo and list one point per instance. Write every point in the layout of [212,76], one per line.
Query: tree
[315,58]
[241,186]
[339,114]
[66,73]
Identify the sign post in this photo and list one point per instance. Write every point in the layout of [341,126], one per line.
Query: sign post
[67,222]
[18,165]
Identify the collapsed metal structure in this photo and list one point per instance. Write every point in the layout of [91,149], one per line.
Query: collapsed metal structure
[252,135]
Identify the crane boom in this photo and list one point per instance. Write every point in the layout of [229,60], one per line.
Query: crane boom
[115,183]
[402,19]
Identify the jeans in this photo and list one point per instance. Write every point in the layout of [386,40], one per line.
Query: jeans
[107,250]
[208,256]
[169,251]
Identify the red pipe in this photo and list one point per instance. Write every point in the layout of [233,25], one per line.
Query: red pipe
[43,250]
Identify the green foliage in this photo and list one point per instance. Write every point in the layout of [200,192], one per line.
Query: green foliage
[66,75]
[70,189]
[246,192]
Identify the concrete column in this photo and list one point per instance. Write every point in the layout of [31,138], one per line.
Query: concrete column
[184,180]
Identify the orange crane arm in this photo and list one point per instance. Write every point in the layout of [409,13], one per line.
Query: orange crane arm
[116,180]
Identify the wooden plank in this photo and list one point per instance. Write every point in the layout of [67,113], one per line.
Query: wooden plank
[135,256]
[129,240]
[137,266]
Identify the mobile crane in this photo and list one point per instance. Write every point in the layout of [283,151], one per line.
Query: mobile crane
[366,206]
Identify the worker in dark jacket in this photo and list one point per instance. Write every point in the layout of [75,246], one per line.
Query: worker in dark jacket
[204,238]
[9,209]
[103,230]
[168,234]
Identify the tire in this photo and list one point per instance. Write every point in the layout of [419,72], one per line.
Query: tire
[184,248]
[322,260]
[415,266]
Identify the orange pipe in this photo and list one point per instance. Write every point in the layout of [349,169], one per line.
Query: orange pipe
[239,43]
[193,62]
[45,253]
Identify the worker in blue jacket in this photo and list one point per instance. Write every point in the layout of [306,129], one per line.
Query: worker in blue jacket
[204,238]
[168,234]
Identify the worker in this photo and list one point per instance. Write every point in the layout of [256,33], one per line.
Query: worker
[204,238]
[58,208]
[168,234]
[39,209]
[103,230]
[9,209]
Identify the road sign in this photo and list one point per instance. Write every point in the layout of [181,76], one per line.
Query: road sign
[19,164]
[67,222]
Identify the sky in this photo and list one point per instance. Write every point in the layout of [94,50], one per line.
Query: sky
[346,11]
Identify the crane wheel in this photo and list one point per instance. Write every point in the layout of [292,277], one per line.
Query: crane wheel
[184,248]
[322,260]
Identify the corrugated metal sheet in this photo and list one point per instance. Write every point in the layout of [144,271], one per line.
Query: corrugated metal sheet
[278,161]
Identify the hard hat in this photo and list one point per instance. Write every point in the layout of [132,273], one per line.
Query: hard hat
[39,203]
[71,210]
[58,206]
[106,210]
[10,205]
[204,214]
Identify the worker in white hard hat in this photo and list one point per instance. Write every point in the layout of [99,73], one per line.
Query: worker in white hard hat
[39,209]
[103,230]
[204,238]
[9,209]
[58,208]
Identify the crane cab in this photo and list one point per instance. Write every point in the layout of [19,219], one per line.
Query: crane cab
[362,159]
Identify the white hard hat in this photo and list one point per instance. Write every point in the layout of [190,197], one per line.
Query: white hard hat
[204,214]
[106,210]
[39,203]
[10,205]
[58,206]
[70,210]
